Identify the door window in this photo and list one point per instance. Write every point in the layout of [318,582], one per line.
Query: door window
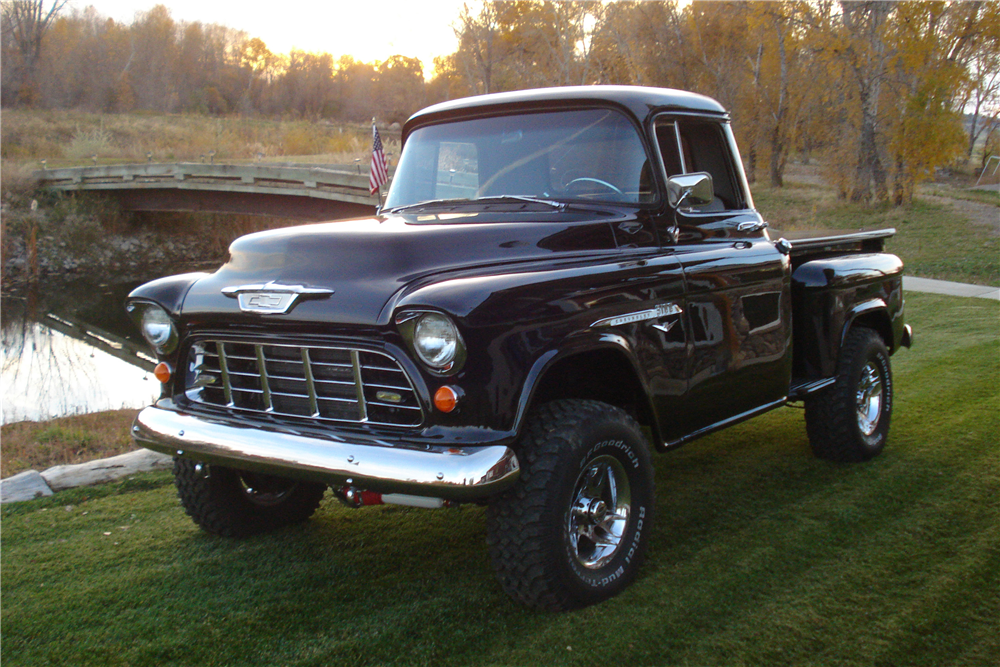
[688,146]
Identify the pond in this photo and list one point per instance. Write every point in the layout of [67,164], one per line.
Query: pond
[72,350]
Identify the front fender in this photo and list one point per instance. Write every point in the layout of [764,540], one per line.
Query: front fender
[583,347]
[521,321]
[167,292]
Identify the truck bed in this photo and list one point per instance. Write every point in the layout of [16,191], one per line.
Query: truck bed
[808,244]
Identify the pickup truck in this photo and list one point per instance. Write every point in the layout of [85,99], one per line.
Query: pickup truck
[559,283]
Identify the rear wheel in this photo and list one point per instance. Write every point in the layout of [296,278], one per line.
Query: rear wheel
[236,503]
[849,421]
[573,529]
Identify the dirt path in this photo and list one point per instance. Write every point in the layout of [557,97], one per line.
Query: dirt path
[974,212]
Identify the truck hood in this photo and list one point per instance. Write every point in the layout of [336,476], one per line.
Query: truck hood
[349,270]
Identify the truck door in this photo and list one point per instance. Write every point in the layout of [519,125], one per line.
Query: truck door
[737,302]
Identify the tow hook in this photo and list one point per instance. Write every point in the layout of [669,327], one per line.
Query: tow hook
[355,497]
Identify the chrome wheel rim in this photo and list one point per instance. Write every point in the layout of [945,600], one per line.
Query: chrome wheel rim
[598,516]
[869,398]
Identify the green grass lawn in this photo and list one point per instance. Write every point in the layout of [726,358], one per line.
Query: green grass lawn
[762,555]
[934,240]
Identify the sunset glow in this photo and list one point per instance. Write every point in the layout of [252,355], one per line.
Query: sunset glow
[369,32]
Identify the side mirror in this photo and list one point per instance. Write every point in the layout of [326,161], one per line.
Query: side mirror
[691,189]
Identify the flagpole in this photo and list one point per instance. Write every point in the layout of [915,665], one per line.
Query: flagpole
[379,185]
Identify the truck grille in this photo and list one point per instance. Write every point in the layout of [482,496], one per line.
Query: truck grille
[325,383]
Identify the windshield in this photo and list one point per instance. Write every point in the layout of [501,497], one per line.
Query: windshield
[590,154]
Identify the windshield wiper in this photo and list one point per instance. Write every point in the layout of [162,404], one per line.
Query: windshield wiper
[559,206]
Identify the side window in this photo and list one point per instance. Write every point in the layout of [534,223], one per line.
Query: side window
[688,146]
[666,139]
[704,148]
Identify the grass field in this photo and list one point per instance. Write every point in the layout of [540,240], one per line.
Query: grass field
[762,555]
[65,440]
[71,138]
[934,240]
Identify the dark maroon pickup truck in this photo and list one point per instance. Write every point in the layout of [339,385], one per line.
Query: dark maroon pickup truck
[559,283]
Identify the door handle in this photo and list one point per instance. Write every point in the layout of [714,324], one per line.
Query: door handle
[754,226]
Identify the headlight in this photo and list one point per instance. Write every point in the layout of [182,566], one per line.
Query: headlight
[435,339]
[158,329]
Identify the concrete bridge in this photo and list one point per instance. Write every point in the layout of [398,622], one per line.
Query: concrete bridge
[288,191]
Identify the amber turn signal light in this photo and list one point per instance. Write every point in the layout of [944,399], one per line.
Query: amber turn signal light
[163,372]
[445,399]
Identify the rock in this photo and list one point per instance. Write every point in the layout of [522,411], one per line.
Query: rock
[105,470]
[27,485]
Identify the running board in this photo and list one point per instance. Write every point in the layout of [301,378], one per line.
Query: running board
[725,423]
[804,388]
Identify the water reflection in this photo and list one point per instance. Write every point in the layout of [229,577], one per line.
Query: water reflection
[69,353]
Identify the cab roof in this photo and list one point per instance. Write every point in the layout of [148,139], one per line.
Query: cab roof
[639,100]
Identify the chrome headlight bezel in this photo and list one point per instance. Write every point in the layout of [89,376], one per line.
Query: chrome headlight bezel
[156,326]
[434,339]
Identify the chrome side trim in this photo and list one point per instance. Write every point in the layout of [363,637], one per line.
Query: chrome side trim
[452,473]
[662,310]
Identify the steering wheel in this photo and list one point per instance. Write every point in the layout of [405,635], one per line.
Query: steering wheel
[587,179]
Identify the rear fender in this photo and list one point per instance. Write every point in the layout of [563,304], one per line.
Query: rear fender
[833,294]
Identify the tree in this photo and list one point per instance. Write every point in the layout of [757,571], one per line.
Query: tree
[480,52]
[929,42]
[25,23]
[983,90]
[399,87]
[861,45]
[355,81]
[257,65]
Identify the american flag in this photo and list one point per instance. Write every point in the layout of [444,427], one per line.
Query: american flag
[380,168]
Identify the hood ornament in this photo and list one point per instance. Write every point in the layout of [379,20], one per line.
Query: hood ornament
[273,298]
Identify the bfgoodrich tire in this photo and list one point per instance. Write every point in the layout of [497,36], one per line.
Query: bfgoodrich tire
[235,503]
[574,528]
[849,421]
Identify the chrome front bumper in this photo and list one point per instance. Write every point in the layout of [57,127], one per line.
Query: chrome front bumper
[452,473]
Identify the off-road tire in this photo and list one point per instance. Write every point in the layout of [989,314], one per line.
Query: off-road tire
[838,419]
[531,527]
[234,503]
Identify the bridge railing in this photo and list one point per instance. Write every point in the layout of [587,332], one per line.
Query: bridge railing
[314,182]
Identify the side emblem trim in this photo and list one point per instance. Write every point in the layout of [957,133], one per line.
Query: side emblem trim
[273,298]
[661,311]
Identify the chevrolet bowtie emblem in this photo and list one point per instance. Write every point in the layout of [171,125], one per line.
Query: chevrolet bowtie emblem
[273,298]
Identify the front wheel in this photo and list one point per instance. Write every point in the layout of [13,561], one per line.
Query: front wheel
[849,422]
[236,503]
[573,529]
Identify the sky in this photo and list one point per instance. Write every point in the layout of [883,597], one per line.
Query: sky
[368,30]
